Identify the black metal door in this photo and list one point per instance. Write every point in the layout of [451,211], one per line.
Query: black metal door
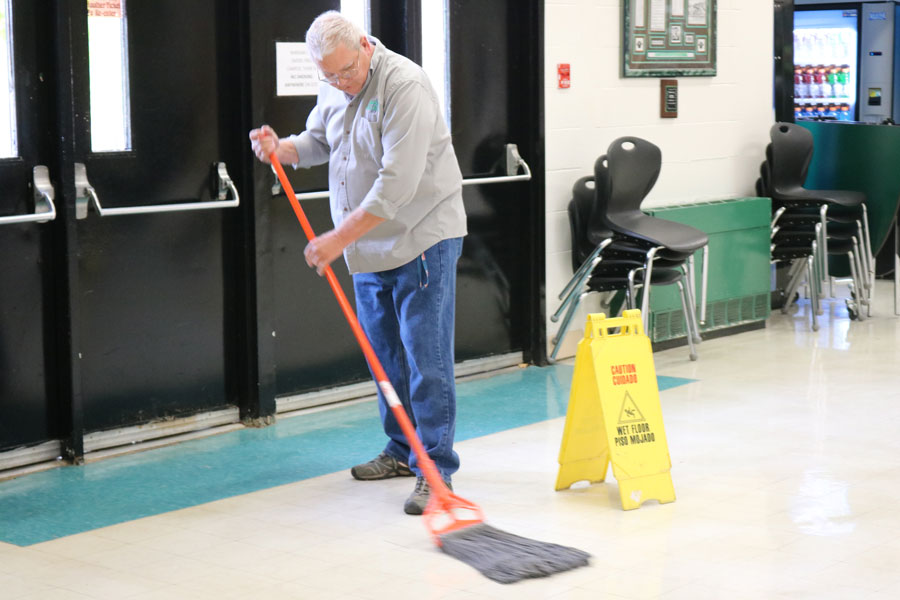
[150,309]
[304,343]
[496,82]
[28,412]
[496,100]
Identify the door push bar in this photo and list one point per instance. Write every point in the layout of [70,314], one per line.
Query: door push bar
[513,162]
[86,195]
[44,209]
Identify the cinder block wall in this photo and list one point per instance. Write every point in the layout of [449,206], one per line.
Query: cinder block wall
[711,151]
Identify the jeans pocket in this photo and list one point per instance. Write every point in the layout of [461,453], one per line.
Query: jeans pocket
[423,271]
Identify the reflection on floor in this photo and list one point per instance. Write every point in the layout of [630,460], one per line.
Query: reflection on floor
[784,453]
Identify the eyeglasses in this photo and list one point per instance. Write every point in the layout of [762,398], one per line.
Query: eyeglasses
[345,75]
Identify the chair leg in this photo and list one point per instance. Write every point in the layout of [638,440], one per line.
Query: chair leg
[822,266]
[857,282]
[561,332]
[817,290]
[823,216]
[867,237]
[862,258]
[704,279]
[576,287]
[810,274]
[866,270]
[645,291]
[777,216]
[695,328]
[863,274]
[794,283]
[686,307]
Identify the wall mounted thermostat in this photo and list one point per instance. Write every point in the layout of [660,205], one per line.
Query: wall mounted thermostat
[668,98]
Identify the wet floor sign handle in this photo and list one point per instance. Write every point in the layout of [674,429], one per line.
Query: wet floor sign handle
[614,414]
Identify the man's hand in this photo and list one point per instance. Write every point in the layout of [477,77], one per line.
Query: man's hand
[323,250]
[263,142]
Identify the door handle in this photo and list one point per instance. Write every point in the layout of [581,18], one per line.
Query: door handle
[513,162]
[86,196]
[44,209]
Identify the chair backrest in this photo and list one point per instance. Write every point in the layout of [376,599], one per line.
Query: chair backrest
[765,179]
[790,156]
[580,208]
[597,231]
[633,166]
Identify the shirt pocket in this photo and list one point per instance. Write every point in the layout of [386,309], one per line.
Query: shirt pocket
[367,139]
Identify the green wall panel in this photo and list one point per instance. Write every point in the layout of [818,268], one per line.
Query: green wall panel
[866,158]
[739,267]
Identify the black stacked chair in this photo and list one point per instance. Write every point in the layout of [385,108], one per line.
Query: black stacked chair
[808,226]
[616,250]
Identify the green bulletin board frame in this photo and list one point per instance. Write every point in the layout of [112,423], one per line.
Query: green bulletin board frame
[669,38]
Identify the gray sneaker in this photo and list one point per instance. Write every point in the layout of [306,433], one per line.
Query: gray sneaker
[381,467]
[418,500]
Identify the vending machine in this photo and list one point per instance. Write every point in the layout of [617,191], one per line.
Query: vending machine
[844,65]
[826,62]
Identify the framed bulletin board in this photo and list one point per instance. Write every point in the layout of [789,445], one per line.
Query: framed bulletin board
[670,38]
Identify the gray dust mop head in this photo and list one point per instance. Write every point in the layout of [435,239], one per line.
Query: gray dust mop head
[507,558]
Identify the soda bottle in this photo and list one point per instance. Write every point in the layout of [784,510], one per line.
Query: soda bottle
[845,113]
[798,83]
[819,82]
[807,82]
[843,80]
[820,112]
[798,112]
[832,112]
[831,80]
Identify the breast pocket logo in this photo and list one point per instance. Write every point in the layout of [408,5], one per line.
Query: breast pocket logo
[372,111]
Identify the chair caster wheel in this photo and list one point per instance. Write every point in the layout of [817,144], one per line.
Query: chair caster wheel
[852,312]
[694,356]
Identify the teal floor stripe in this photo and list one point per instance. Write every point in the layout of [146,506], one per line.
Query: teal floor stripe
[69,500]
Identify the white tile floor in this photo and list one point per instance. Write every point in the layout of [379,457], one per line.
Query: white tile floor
[786,465]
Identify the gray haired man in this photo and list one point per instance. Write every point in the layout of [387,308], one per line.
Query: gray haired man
[396,203]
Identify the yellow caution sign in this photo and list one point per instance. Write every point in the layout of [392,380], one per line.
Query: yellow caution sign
[614,414]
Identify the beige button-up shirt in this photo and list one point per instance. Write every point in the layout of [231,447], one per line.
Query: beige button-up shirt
[389,151]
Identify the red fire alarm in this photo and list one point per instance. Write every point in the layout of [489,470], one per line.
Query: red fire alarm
[563,76]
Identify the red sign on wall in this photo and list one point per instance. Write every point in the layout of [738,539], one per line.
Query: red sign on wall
[563,76]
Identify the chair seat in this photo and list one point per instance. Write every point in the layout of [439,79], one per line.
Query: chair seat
[846,198]
[673,236]
[813,217]
[790,252]
[836,231]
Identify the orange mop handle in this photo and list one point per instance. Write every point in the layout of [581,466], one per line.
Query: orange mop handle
[424,461]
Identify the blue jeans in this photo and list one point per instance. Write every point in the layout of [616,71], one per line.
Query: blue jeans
[408,313]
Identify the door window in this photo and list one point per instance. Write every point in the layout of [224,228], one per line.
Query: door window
[358,12]
[434,51]
[7,101]
[108,55]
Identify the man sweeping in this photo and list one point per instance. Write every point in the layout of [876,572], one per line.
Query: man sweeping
[396,202]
